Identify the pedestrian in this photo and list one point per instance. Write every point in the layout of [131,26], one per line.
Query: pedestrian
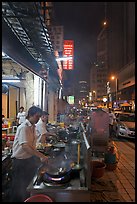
[41,130]
[4,121]
[24,154]
[21,116]
[112,119]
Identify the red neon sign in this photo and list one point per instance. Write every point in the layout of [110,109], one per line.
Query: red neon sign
[68,52]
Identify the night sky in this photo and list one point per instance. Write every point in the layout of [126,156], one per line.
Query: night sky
[82,23]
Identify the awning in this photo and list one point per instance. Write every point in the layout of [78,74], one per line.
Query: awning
[25,37]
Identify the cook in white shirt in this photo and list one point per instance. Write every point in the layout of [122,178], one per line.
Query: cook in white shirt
[41,130]
[24,154]
[21,116]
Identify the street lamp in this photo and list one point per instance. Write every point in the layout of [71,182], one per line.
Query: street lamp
[94,95]
[116,85]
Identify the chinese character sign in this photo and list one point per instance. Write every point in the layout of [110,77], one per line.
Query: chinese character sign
[57,37]
[68,52]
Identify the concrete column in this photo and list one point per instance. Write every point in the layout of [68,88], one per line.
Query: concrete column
[52,106]
[29,90]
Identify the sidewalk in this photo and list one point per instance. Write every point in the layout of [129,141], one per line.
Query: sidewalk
[117,185]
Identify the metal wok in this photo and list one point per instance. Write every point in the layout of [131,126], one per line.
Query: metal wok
[57,170]
[63,135]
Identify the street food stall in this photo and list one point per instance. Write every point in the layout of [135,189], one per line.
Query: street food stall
[67,176]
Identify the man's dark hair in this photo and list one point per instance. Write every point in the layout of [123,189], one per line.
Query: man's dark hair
[45,113]
[21,107]
[33,110]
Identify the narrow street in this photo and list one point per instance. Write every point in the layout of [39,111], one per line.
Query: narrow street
[68,101]
[118,185]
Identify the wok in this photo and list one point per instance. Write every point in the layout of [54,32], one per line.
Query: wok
[73,129]
[57,170]
[62,135]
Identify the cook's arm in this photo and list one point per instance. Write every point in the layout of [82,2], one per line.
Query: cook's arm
[50,134]
[31,150]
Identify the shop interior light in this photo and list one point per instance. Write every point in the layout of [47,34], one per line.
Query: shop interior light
[3,54]
[10,80]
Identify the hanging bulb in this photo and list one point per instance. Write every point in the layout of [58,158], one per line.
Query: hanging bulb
[105,23]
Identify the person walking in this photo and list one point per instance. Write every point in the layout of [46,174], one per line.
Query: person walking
[4,121]
[24,154]
[21,116]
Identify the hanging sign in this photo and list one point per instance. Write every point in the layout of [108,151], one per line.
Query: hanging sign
[68,51]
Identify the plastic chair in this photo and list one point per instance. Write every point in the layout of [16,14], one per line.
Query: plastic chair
[39,198]
[14,129]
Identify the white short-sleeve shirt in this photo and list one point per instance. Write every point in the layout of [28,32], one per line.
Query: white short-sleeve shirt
[111,118]
[40,129]
[26,133]
[21,117]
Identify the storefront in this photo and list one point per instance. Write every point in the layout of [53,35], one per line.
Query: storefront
[37,58]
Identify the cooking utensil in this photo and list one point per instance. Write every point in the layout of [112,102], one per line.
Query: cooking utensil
[77,167]
[58,172]
[78,154]
[58,167]
[57,179]
[76,141]
[56,149]
[59,145]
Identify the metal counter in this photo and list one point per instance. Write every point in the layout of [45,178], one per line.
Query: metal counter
[78,189]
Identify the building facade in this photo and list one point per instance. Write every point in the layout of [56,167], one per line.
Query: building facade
[116,49]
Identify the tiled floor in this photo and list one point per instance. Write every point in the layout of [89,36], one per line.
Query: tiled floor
[123,178]
[125,171]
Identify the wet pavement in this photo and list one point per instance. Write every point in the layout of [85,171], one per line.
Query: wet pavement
[117,185]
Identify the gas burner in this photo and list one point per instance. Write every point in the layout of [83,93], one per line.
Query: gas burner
[55,181]
[56,184]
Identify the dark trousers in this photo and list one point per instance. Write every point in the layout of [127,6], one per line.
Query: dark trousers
[23,171]
[110,130]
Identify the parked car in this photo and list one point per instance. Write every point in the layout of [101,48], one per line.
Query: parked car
[117,109]
[125,125]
